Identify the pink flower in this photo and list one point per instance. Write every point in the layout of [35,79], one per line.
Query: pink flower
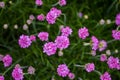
[93,53]
[102,45]
[105,76]
[62,42]
[24,41]
[31,17]
[43,36]
[116,34]
[39,2]
[32,38]
[62,2]
[95,43]
[71,76]
[41,17]
[1,77]
[83,33]
[2,4]
[117,19]
[112,62]
[89,67]
[31,70]
[103,57]
[49,48]
[17,73]
[118,66]
[52,15]
[7,60]
[63,70]
[66,31]
[1,57]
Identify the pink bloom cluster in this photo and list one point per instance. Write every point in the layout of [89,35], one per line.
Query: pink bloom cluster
[17,73]
[105,76]
[43,36]
[103,57]
[89,67]
[24,41]
[102,45]
[41,17]
[83,33]
[117,20]
[62,2]
[71,76]
[31,70]
[32,38]
[1,77]
[66,31]
[52,15]
[95,43]
[49,48]
[62,42]
[2,4]
[63,70]
[116,34]
[39,2]
[7,60]
[113,62]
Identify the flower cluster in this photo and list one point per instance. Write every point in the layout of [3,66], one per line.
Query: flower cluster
[83,33]
[89,67]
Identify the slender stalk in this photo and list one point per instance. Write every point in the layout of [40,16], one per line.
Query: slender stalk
[98,72]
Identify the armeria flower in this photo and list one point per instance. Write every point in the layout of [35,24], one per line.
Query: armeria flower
[117,19]
[80,14]
[62,42]
[39,2]
[52,15]
[66,31]
[89,67]
[17,73]
[31,17]
[32,37]
[62,2]
[1,57]
[7,60]
[118,66]
[93,53]
[105,76]
[43,36]
[71,76]
[83,33]
[49,48]
[95,43]
[112,62]
[102,45]
[31,70]
[103,57]
[1,77]
[116,34]
[41,17]
[63,70]
[2,4]
[24,41]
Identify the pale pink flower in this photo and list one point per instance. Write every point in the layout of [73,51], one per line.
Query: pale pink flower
[7,60]
[39,2]
[89,67]
[62,2]
[83,33]
[103,57]
[116,34]
[32,37]
[41,17]
[95,43]
[117,19]
[43,36]
[105,76]
[66,31]
[31,70]
[102,45]
[71,76]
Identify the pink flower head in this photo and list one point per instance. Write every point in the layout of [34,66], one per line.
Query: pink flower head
[118,66]
[7,60]
[116,34]
[49,48]
[62,42]
[1,77]
[31,70]
[63,70]
[71,76]
[39,2]
[17,73]
[24,41]
[32,38]
[95,43]
[2,4]
[41,17]
[83,33]
[105,76]
[112,62]
[66,31]
[89,67]
[43,36]
[103,57]
[117,20]
[31,17]
[62,2]
[1,57]
[102,45]
[52,15]
[93,53]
